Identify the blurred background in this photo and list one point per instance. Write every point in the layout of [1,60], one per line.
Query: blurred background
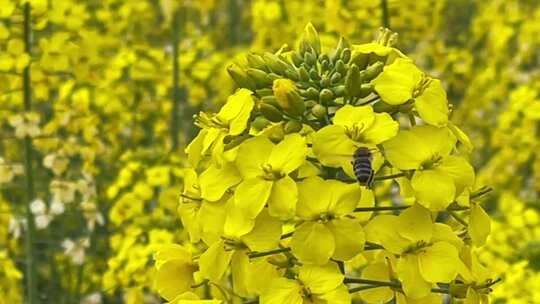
[96,105]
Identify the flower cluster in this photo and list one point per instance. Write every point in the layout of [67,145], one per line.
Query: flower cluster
[272,191]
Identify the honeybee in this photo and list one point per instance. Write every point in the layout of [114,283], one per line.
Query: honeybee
[363,169]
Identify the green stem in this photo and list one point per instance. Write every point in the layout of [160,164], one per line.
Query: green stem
[392,176]
[385,15]
[412,120]
[175,121]
[267,253]
[371,282]
[31,284]
[287,235]
[374,209]
[457,218]
[376,284]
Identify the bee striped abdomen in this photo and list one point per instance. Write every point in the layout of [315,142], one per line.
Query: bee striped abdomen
[362,166]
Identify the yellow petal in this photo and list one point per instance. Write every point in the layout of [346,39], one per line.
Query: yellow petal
[211,217]
[397,81]
[340,295]
[282,291]
[173,278]
[321,279]
[460,170]
[479,225]
[382,129]
[188,215]
[349,238]
[348,116]
[438,262]
[251,196]
[172,252]
[434,190]
[283,198]
[432,105]
[312,243]
[214,181]
[260,268]
[237,111]
[333,147]
[444,233]
[409,149]
[214,262]
[378,272]
[239,272]
[413,283]
[252,155]
[415,224]
[311,201]
[289,154]
[461,136]
[383,230]
[265,234]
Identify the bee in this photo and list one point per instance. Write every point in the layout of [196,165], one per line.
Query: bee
[363,170]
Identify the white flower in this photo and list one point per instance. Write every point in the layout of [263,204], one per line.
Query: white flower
[42,221]
[57,207]
[38,206]
[93,298]
[76,250]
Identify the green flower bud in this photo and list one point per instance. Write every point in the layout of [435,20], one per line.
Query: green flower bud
[310,103]
[271,100]
[381,107]
[260,123]
[276,64]
[311,37]
[274,76]
[304,75]
[360,59]
[255,61]
[276,134]
[292,74]
[335,78]
[297,59]
[288,97]
[240,77]
[326,95]
[270,112]
[310,59]
[353,81]
[365,90]
[325,81]
[339,91]
[342,44]
[340,67]
[374,70]
[292,126]
[314,75]
[312,93]
[264,92]
[261,78]
[324,57]
[318,111]
[346,55]
[325,65]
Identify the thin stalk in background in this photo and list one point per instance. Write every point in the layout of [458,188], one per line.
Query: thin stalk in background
[176,123]
[31,284]
[385,14]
